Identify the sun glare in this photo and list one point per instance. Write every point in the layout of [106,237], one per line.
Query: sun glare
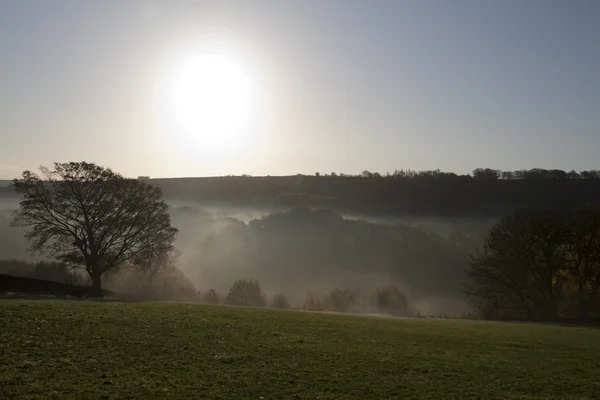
[211,100]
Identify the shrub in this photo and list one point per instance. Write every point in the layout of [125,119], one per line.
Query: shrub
[246,293]
[391,301]
[211,297]
[280,301]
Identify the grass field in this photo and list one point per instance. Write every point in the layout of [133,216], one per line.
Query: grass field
[57,349]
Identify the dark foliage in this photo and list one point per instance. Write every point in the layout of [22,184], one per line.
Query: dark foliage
[18,284]
[391,301]
[89,217]
[246,293]
[306,250]
[280,301]
[540,265]
[486,192]
[42,270]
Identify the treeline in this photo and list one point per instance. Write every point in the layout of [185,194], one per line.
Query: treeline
[42,270]
[485,192]
[160,281]
[540,265]
[29,286]
[305,250]
[296,252]
[386,300]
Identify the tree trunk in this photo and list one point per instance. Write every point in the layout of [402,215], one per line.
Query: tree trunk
[96,282]
[583,307]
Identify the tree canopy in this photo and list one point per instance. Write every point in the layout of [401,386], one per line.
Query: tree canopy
[540,264]
[90,217]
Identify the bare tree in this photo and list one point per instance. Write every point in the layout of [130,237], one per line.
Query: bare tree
[90,217]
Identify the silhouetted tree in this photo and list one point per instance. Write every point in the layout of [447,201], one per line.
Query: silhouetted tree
[580,279]
[246,293]
[486,173]
[519,263]
[280,301]
[90,217]
[540,264]
[391,301]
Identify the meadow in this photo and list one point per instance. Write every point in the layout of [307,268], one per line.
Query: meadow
[82,349]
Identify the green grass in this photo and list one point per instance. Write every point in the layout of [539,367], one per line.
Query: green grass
[58,349]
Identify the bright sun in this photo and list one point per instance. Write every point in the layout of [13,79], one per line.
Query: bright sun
[211,100]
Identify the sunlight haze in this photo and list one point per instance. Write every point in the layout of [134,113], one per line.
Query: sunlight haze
[209,88]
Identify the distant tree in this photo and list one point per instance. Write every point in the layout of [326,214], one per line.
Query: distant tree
[169,284]
[592,174]
[211,297]
[51,271]
[486,173]
[507,175]
[391,301]
[246,293]
[520,174]
[314,303]
[43,270]
[557,174]
[341,301]
[17,268]
[90,217]
[317,174]
[280,301]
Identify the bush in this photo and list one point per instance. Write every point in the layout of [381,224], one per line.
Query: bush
[391,301]
[165,285]
[211,297]
[280,301]
[246,293]
[41,270]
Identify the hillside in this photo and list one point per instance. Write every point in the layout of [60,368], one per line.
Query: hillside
[91,350]
[485,193]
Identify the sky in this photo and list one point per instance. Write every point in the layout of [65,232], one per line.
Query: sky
[335,85]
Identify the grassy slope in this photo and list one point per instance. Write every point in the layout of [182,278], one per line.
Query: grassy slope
[94,350]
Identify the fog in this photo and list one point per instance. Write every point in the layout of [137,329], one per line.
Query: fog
[299,252]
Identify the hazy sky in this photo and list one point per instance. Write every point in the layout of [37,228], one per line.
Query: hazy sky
[336,85]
